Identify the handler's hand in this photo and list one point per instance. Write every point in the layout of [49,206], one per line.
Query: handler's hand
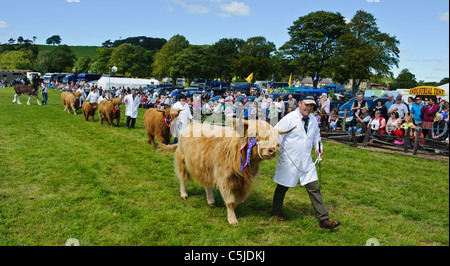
[319,153]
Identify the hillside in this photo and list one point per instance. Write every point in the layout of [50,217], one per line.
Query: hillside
[79,51]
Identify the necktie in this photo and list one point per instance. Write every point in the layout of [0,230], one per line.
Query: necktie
[305,123]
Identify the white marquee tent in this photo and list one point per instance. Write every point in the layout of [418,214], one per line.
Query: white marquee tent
[445,88]
[107,82]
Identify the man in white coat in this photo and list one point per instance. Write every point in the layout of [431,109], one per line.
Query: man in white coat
[295,162]
[184,116]
[131,102]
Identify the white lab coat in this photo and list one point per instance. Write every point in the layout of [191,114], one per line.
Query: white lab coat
[298,145]
[131,106]
[183,116]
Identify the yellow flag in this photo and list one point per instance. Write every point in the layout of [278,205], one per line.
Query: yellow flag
[290,80]
[249,78]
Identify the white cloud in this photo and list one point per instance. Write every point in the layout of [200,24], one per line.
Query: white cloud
[73,1]
[236,8]
[3,24]
[199,9]
[373,1]
[443,16]
[226,8]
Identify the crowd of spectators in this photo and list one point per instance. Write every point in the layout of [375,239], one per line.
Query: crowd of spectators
[393,117]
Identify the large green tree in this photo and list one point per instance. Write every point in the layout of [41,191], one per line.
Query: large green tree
[404,80]
[255,57]
[223,57]
[82,64]
[164,58]
[189,63]
[61,59]
[313,41]
[364,51]
[99,63]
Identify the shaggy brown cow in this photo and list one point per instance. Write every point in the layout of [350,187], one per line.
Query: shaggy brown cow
[71,100]
[158,122]
[89,109]
[110,110]
[31,90]
[219,159]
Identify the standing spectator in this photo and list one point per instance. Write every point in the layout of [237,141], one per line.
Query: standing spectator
[280,106]
[131,102]
[292,104]
[390,101]
[325,103]
[428,118]
[416,111]
[44,95]
[400,107]
[439,128]
[380,106]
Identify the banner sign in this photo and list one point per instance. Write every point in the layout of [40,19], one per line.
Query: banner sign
[427,90]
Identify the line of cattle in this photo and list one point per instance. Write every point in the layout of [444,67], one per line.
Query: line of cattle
[212,160]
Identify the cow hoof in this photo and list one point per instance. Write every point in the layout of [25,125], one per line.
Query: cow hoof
[184,197]
[212,204]
[235,221]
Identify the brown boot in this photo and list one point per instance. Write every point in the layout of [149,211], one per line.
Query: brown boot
[329,224]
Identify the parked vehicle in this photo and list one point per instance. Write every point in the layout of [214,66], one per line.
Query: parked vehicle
[371,102]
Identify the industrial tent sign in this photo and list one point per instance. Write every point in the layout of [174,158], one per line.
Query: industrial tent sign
[427,90]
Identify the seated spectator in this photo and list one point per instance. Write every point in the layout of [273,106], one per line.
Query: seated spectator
[393,125]
[378,123]
[439,128]
[361,120]
[334,118]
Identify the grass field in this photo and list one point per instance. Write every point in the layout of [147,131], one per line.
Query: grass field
[62,177]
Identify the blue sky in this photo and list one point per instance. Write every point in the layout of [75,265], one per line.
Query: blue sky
[421,26]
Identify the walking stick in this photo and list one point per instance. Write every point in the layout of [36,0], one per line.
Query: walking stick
[320,168]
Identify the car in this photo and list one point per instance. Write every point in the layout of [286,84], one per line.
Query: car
[371,102]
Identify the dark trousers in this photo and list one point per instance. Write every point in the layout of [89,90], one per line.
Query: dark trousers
[314,195]
[133,121]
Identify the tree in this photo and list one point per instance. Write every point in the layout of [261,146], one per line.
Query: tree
[313,42]
[404,80]
[164,58]
[55,39]
[20,40]
[34,39]
[189,63]
[61,59]
[223,57]
[100,62]
[131,61]
[82,64]
[107,43]
[255,57]
[11,41]
[364,51]
[19,59]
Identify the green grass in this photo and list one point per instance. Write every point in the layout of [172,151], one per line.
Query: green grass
[62,177]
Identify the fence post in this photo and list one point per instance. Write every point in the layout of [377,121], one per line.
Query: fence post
[345,118]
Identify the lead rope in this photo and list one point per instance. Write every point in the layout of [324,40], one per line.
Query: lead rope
[318,159]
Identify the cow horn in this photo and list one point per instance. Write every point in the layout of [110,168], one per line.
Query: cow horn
[286,131]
